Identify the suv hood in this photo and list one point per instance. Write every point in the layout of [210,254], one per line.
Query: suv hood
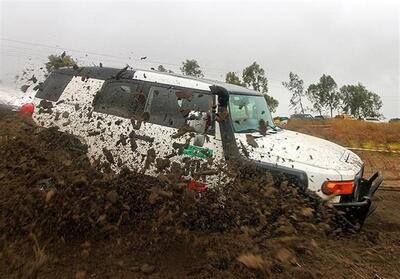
[288,148]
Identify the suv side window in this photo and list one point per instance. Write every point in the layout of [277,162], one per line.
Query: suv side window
[170,106]
[120,98]
[53,86]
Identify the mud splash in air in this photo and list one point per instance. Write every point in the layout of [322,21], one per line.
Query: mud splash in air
[61,217]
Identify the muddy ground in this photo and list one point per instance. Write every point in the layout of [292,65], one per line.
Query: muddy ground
[61,218]
[388,163]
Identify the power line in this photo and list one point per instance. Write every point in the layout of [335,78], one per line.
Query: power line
[214,71]
[61,48]
[89,52]
[108,57]
[101,54]
[119,58]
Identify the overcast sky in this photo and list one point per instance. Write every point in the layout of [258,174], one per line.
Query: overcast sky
[353,41]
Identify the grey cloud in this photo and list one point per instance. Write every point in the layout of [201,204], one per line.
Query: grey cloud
[354,41]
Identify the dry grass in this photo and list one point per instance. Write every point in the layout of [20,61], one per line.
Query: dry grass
[351,133]
[31,269]
[24,258]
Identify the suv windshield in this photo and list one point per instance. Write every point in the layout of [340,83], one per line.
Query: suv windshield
[247,111]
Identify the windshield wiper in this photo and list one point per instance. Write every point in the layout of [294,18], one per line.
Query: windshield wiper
[273,128]
[251,130]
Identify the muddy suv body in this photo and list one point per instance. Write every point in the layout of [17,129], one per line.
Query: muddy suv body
[155,122]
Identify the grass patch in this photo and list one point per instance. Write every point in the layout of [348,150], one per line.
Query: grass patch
[352,133]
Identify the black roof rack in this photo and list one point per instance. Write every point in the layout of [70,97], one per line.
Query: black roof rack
[105,73]
[96,72]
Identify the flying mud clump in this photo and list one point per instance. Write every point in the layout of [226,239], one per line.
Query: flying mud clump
[250,226]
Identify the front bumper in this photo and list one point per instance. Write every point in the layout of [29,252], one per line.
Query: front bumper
[357,207]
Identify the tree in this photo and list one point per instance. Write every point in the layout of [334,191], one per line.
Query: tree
[296,86]
[324,94]
[58,61]
[330,87]
[254,77]
[161,68]
[316,98]
[191,68]
[272,102]
[360,102]
[232,78]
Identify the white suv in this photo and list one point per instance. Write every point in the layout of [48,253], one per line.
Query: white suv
[156,122]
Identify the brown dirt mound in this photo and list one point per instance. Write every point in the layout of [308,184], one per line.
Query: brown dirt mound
[61,217]
[51,186]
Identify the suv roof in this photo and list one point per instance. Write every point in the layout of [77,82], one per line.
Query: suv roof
[150,75]
[95,72]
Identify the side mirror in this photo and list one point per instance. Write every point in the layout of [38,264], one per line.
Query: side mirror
[222,93]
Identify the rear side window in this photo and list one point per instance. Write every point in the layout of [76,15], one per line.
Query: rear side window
[120,98]
[53,86]
[171,107]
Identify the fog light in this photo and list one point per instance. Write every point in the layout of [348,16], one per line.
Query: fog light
[338,187]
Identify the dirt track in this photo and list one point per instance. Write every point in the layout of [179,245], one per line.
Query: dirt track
[388,163]
[60,217]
